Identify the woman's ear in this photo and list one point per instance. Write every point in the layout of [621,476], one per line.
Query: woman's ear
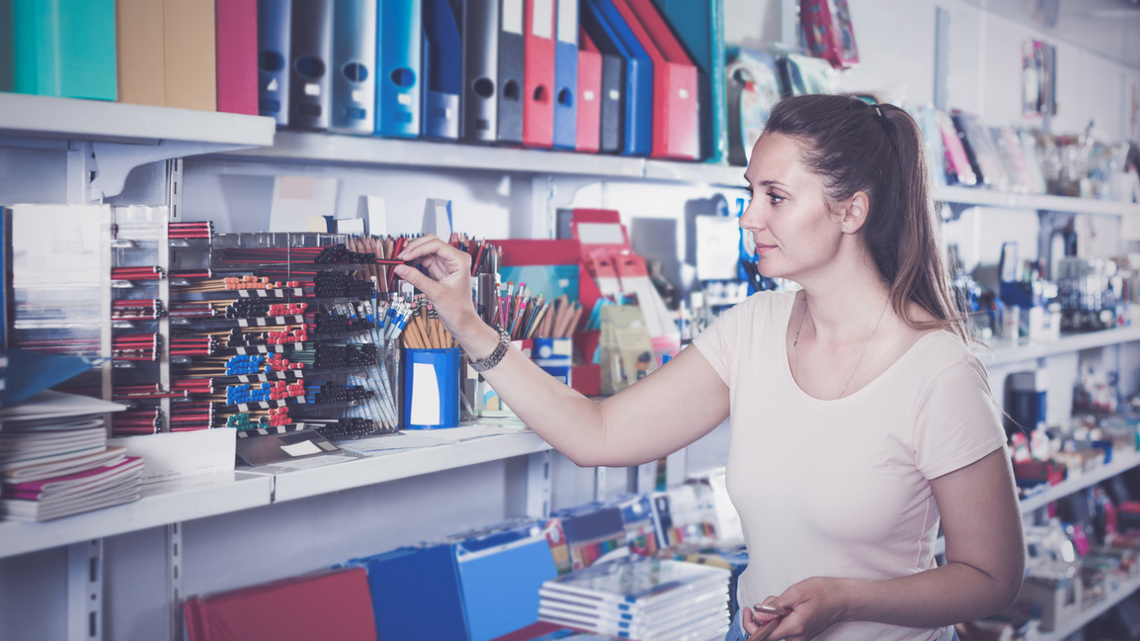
[855,213]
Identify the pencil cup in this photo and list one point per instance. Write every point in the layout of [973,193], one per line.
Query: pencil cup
[553,355]
[431,388]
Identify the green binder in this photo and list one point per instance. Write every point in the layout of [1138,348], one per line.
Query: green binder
[58,48]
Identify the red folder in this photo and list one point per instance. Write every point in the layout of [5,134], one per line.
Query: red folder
[538,77]
[676,132]
[236,51]
[333,605]
[589,94]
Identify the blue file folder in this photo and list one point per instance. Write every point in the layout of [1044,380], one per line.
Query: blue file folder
[354,67]
[398,77]
[442,70]
[566,76]
[274,20]
[310,91]
[609,31]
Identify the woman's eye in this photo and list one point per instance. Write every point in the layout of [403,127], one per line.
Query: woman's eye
[775,199]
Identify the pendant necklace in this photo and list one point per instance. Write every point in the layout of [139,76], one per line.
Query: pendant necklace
[796,342]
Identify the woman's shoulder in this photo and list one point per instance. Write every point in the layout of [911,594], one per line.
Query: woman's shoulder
[939,352]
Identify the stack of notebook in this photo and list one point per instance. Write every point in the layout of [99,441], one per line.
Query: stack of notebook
[640,598]
[54,459]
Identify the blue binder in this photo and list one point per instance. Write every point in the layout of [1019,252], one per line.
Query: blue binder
[274,18]
[479,34]
[414,595]
[442,71]
[566,76]
[354,67]
[610,32]
[310,91]
[699,24]
[512,71]
[398,92]
[59,48]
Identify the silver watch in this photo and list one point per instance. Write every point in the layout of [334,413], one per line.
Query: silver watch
[484,364]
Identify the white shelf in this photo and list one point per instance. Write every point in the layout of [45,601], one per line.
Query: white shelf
[987,198]
[1004,354]
[1084,618]
[1121,462]
[28,116]
[210,495]
[192,498]
[400,464]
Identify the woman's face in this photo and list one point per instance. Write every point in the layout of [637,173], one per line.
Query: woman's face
[788,215]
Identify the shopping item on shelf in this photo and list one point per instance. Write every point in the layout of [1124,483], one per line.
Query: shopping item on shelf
[980,149]
[753,89]
[829,33]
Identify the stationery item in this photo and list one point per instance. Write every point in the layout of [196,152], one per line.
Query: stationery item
[480,38]
[565,94]
[140,26]
[61,48]
[1036,176]
[612,35]
[699,24]
[753,90]
[442,71]
[310,42]
[828,31]
[512,70]
[676,134]
[330,605]
[108,457]
[190,54]
[927,118]
[182,454]
[626,351]
[592,533]
[236,37]
[553,355]
[958,169]
[72,494]
[431,388]
[538,84]
[800,75]
[588,106]
[399,68]
[274,58]
[264,449]
[354,67]
[979,147]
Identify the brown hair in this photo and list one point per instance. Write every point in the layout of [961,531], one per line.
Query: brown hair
[879,150]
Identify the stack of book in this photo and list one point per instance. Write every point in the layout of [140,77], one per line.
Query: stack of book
[641,598]
[54,459]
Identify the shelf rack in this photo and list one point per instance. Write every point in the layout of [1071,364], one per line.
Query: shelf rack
[1121,593]
[998,353]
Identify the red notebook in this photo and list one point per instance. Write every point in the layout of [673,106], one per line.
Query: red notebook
[589,94]
[334,605]
[237,55]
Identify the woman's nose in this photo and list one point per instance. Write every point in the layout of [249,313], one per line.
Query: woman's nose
[753,218]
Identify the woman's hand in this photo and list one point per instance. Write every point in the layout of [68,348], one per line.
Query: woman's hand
[449,287]
[813,606]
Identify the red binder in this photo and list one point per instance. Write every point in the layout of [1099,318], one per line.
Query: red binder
[676,131]
[236,24]
[333,605]
[538,76]
[589,94]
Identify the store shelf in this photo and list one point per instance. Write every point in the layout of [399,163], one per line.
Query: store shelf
[727,175]
[987,198]
[27,116]
[1121,462]
[399,464]
[1123,592]
[999,354]
[162,503]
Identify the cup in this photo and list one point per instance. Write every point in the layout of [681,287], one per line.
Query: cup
[431,388]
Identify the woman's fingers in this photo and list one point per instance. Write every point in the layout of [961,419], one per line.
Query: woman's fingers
[419,281]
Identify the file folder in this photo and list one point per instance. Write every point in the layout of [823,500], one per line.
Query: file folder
[414,595]
[62,48]
[190,52]
[398,92]
[274,29]
[676,134]
[236,28]
[354,67]
[480,37]
[442,66]
[566,76]
[610,33]
[139,28]
[512,70]
[699,24]
[538,88]
[310,94]
[589,107]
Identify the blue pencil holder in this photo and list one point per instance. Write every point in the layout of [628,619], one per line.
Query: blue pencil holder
[553,355]
[431,388]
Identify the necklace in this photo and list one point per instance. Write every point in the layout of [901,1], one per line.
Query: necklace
[796,342]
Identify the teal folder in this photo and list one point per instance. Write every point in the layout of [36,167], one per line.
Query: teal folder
[61,48]
[700,26]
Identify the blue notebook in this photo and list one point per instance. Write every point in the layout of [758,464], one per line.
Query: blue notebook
[612,35]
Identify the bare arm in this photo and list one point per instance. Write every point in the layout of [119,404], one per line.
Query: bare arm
[985,554]
[669,409]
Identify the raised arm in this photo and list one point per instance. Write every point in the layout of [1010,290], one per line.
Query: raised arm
[667,410]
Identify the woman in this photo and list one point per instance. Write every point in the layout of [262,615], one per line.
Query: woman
[860,420]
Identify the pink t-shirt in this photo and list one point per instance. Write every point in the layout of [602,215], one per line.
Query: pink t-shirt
[841,488]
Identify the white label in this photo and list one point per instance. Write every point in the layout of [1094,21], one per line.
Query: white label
[542,18]
[615,94]
[568,21]
[404,99]
[272,86]
[600,234]
[426,409]
[684,93]
[359,96]
[301,449]
[588,95]
[512,16]
[312,89]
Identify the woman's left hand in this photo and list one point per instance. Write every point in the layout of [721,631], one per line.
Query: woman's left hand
[814,605]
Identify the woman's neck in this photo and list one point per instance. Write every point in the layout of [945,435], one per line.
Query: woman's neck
[846,303]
